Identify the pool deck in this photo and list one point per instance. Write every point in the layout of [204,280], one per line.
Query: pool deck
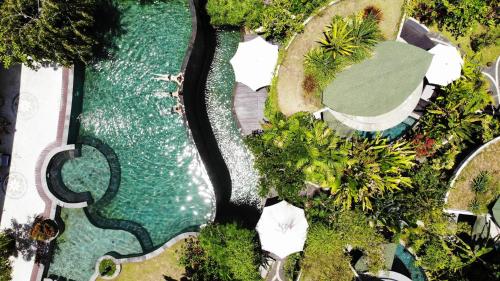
[41,126]
[248,105]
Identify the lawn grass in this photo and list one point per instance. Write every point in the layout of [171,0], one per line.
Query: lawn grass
[485,55]
[291,75]
[165,264]
[461,194]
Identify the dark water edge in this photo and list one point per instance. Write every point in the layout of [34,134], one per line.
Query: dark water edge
[196,74]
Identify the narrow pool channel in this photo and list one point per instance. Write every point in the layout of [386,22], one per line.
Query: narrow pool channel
[219,99]
[164,189]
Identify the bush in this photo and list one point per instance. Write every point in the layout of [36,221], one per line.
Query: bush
[222,252]
[325,256]
[64,32]
[234,12]
[107,267]
[43,229]
[374,12]
[6,249]
[481,182]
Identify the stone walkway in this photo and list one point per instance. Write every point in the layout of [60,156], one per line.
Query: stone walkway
[491,74]
[291,72]
[40,115]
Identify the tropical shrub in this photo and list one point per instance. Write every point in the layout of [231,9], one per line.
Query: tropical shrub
[234,12]
[5,252]
[294,150]
[278,22]
[222,252]
[456,16]
[107,267]
[374,167]
[345,41]
[325,254]
[481,181]
[56,31]
[299,149]
[428,192]
[338,39]
[457,113]
[439,246]
[424,146]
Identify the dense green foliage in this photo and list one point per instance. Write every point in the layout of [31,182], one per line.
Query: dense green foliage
[480,182]
[5,252]
[279,19]
[325,256]
[345,41]
[222,252]
[298,150]
[440,246]
[107,267]
[49,31]
[234,12]
[457,16]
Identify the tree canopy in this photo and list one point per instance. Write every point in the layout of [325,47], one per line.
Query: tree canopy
[297,150]
[49,31]
[223,252]
[325,256]
[5,252]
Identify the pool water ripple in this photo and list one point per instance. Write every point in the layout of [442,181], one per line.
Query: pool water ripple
[164,187]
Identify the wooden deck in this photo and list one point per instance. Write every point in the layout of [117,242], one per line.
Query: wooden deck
[248,108]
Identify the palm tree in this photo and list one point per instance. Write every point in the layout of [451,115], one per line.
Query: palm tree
[374,168]
[365,31]
[338,38]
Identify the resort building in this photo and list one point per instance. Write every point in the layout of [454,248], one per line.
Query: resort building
[390,90]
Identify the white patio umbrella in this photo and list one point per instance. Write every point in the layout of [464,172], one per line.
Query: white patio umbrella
[282,229]
[254,63]
[446,65]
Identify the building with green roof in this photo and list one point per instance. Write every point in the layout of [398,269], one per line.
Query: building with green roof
[381,91]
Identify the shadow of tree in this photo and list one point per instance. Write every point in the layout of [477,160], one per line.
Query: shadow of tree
[25,246]
[107,27]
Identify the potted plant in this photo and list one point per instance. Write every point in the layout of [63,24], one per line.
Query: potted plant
[108,269]
[44,229]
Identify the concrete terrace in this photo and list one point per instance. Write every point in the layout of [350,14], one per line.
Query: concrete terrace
[42,121]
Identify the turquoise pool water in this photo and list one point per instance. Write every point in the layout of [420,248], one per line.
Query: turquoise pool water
[164,189]
[219,99]
[396,131]
[90,172]
[417,274]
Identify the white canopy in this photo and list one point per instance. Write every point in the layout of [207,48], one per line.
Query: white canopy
[446,65]
[254,63]
[282,229]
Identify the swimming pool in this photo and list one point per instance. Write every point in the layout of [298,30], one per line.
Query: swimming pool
[417,274]
[219,99]
[394,132]
[163,188]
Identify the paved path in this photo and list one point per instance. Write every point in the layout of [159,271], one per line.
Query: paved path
[10,80]
[291,72]
[277,273]
[491,74]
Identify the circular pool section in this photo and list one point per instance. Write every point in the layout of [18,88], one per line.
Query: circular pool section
[88,172]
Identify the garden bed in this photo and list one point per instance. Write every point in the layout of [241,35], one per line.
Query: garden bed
[166,264]
[291,74]
[461,195]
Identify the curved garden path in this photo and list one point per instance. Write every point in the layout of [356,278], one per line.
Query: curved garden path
[291,72]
